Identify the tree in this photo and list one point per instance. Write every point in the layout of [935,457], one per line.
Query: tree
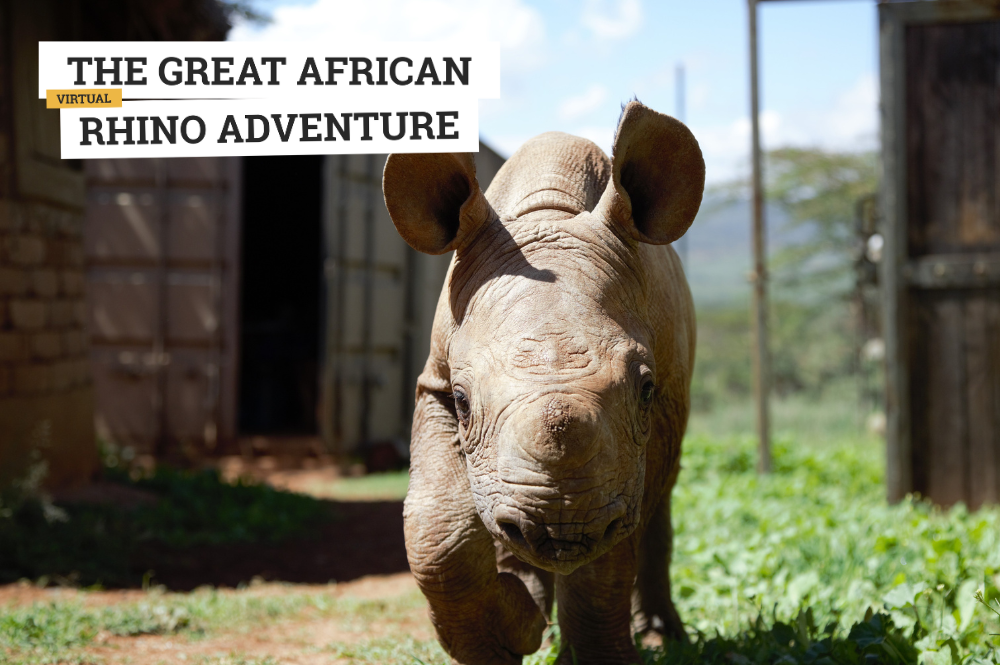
[820,191]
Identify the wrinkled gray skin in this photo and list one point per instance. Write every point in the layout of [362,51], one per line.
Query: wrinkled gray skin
[549,416]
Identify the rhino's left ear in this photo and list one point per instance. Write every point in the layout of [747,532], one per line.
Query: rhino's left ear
[434,199]
[657,177]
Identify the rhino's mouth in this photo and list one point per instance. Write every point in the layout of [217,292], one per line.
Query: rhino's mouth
[558,546]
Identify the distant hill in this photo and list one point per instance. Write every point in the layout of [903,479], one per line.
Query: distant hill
[718,250]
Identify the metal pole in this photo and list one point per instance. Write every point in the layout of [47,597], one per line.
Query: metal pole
[682,242]
[761,356]
[157,359]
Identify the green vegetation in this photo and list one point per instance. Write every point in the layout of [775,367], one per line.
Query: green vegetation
[90,544]
[389,486]
[56,631]
[816,333]
[817,535]
[808,565]
[820,191]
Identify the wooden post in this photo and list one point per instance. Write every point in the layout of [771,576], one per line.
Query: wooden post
[761,356]
[899,457]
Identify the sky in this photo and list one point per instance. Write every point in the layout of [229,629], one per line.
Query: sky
[568,65]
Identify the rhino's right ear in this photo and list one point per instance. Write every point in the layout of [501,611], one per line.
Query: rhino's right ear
[657,176]
[434,199]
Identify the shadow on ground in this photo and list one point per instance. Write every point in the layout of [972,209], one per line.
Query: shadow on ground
[364,538]
[185,529]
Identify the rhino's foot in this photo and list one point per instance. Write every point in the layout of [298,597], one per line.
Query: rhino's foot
[625,654]
[666,624]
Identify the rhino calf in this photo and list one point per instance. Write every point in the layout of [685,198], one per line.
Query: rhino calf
[549,416]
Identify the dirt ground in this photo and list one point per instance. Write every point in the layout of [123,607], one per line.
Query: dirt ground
[359,555]
[303,640]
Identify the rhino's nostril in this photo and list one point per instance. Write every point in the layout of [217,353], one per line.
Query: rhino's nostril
[612,528]
[513,532]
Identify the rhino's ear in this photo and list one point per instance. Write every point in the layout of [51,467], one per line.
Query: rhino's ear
[657,176]
[434,199]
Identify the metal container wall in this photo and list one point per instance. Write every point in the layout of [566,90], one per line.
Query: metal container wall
[161,246]
[381,297]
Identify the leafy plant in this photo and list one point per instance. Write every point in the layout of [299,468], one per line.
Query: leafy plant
[810,565]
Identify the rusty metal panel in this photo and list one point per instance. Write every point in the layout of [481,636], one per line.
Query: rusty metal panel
[124,376]
[189,398]
[192,232]
[198,172]
[120,171]
[390,250]
[122,306]
[161,243]
[122,226]
[192,312]
[387,391]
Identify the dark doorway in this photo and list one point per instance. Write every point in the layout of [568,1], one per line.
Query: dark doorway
[280,299]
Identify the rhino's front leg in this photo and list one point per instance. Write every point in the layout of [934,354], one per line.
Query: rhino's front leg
[655,606]
[482,616]
[595,610]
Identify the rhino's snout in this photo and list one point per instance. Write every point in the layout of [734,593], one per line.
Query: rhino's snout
[560,546]
[559,431]
[557,469]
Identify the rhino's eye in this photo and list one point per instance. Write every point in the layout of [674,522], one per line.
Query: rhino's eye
[646,394]
[462,408]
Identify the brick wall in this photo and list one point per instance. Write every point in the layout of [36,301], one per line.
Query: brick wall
[42,309]
[46,402]
[45,398]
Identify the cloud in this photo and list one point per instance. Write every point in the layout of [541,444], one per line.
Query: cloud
[519,28]
[698,97]
[608,19]
[853,120]
[574,107]
[602,135]
[849,123]
[505,144]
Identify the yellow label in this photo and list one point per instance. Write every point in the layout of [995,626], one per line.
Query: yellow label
[83,99]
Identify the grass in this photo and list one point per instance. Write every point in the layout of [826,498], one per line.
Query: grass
[89,544]
[808,565]
[57,631]
[389,486]
[830,419]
